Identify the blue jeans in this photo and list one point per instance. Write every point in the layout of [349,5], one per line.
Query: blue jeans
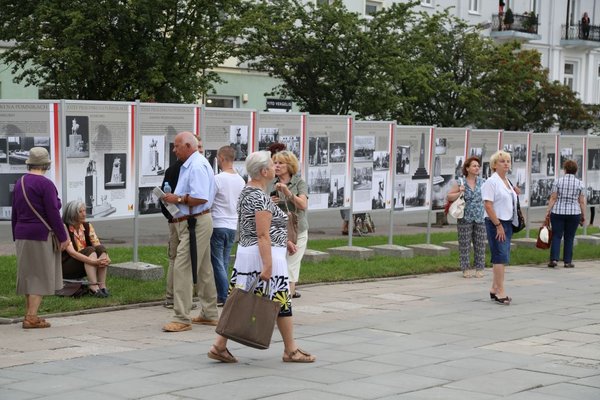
[221,243]
[563,225]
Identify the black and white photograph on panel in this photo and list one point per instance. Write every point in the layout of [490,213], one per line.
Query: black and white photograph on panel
[3,151]
[114,170]
[211,156]
[337,152]
[378,190]
[458,166]
[593,195]
[363,177]
[476,152]
[153,155]
[318,151]
[550,164]
[319,180]
[439,192]
[399,193]
[364,147]
[540,191]
[565,154]
[486,170]
[149,203]
[292,143]
[238,139]
[19,146]
[381,160]
[402,160]
[578,158]
[78,136]
[520,153]
[593,159]
[519,178]
[415,194]
[336,191]
[536,160]
[441,146]
[7,188]
[266,137]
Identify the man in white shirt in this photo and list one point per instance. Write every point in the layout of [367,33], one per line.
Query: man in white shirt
[193,196]
[228,186]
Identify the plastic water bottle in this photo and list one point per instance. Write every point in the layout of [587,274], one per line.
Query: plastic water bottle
[167,188]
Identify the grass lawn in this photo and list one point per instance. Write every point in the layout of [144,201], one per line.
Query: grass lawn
[127,291]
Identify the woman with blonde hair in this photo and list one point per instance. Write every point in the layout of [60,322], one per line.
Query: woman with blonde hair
[291,193]
[499,200]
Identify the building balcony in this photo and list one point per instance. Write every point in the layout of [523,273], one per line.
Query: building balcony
[577,36]
[523,29]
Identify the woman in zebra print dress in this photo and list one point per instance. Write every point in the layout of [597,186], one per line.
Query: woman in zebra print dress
[262,253]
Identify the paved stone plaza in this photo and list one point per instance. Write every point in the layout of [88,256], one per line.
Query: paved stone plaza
[427,337]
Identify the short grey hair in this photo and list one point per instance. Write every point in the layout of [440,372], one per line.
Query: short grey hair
[256,162]
[71,212]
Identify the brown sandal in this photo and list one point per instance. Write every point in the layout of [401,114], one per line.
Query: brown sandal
[34,322]
[298,356]
[221,355]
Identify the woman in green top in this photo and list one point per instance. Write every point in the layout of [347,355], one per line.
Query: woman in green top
[291,189]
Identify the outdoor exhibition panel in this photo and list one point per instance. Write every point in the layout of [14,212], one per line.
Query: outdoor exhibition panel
[571,148]
[412,183]
[98,139]
[229,127]
[517,144]
[543,168]
[483,143]
[157,126]
[286,128]
[372,143]
[592,172]
[329,161]
[24,125]
[449,149]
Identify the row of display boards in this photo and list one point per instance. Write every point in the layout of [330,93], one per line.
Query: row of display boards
[111,155]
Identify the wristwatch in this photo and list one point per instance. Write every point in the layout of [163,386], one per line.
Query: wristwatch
[498,224]
[179,200]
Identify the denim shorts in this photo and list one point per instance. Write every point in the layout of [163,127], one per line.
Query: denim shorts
[500,251]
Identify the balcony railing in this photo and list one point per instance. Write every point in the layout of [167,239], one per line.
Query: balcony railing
[580,32]
[522,23]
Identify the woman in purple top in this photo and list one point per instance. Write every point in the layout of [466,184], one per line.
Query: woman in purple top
[39,269]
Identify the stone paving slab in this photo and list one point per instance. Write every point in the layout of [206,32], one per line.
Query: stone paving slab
[427,337]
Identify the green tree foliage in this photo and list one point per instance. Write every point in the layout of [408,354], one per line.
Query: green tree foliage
[520,97]
[321,54]
[160,50]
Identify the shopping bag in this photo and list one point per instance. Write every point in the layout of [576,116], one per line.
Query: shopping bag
[248,318]
[544,238]
[457,208]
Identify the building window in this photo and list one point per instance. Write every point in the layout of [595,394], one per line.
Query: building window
[221,102]
[474,6]
[371,7]
[569,76]
[427,3]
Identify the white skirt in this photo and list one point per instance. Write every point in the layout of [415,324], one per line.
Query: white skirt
[247,268]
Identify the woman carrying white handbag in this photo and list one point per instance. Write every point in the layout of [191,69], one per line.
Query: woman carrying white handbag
[470,223]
